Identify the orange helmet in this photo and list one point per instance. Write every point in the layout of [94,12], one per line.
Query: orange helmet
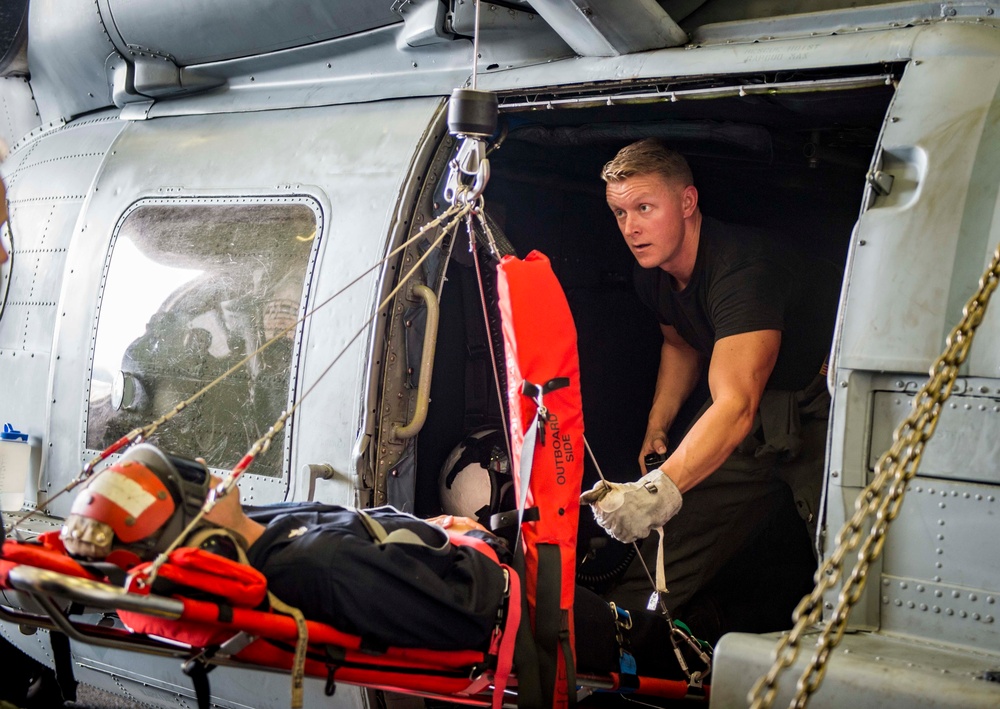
[140,503]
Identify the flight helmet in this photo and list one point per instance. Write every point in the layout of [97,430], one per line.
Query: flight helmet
[476,477]
[140,504]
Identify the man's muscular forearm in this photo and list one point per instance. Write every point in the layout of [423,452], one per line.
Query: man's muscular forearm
[740,367]
[709,442]
[676,378]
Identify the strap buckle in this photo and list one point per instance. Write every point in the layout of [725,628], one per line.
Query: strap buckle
[537,393]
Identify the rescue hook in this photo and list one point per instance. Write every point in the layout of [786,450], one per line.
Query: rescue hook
[472,116]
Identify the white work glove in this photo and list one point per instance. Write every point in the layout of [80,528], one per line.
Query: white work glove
[630,511]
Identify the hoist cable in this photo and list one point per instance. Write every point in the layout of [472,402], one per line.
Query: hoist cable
[474,248]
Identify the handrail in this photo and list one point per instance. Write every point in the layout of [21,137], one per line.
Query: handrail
[426,366]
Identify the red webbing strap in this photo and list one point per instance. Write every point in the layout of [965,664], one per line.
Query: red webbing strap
[15,553]
[464,540]
[282,628]
[505,651]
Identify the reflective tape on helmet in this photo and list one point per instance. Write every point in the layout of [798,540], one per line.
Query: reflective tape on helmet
[128,497]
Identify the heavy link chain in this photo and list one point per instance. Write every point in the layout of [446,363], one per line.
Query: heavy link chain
[877,505]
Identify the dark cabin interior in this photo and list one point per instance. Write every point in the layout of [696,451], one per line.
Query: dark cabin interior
[791,163]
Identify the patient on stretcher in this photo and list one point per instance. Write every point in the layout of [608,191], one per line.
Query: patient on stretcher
[383,575]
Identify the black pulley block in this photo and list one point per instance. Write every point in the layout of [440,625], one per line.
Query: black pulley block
[472,113]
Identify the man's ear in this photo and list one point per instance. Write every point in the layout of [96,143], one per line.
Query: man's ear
[689,200]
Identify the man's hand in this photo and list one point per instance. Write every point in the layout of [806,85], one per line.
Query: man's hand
[630,511]
[654,442]
[457,524]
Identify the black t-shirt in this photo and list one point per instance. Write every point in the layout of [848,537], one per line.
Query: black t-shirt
[743,281]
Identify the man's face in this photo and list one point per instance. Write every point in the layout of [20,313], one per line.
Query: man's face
[651,214]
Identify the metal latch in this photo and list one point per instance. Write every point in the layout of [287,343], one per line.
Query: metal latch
[880,181]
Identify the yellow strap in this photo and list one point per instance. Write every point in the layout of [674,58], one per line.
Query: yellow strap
[301,644]
[302,638]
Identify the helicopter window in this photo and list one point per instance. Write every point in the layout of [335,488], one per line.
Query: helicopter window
[191,289]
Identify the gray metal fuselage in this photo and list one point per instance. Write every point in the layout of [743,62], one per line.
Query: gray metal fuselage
[867,134]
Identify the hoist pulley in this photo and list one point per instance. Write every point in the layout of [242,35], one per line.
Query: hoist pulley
[472,113]
[472,116]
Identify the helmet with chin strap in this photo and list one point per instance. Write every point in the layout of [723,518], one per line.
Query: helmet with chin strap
[140,504]
[475,480]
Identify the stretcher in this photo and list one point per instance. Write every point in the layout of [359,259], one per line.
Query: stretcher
[62,590]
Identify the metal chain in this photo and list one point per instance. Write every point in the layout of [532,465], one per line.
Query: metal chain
[882,500]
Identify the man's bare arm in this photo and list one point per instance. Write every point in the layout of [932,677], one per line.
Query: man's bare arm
[676,378]
[737,374]
[229,513]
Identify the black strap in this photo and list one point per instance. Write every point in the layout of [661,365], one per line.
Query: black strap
[372,645]
[538,392]
[503,520]
[225,612]
[114,573]
[529,683]
[331,680]
[567,649]
[198,672]
[64,666]
[548,622]
[628,682]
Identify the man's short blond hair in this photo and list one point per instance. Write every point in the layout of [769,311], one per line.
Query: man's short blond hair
[649,156]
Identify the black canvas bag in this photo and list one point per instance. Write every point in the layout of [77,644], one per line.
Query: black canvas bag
[386,576]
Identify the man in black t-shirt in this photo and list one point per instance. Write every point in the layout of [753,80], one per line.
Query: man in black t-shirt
[760,318]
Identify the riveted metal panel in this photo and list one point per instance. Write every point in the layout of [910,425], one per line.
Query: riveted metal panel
[834,51]
[867,671]
[158,681]
[18,113]
[941,572]
[918,607]
[966,443]
[36,646]
[369,67]
[48,179]
[716,22]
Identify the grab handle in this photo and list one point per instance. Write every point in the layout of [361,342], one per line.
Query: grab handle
[426,366]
